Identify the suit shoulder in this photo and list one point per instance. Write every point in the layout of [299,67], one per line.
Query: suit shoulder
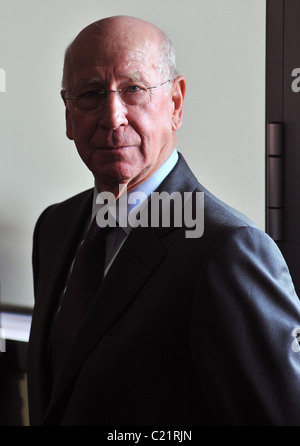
[73,201]
[218,214]
[62,214]
[70,204]
[224,224]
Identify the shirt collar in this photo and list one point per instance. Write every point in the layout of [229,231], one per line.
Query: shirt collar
[147,187]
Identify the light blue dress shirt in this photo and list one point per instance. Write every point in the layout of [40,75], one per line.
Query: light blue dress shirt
[118,235]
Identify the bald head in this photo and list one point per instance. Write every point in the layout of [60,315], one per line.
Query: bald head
[109,34]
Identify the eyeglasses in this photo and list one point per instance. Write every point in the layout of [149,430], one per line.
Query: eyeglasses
[93,99]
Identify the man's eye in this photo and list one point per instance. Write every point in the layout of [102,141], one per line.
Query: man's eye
[90,94]
[133,89]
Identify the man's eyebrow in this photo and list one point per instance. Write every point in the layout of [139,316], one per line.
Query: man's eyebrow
[89,81]
[132,76]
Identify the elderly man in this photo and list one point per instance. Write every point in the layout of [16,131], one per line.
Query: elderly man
[181,330]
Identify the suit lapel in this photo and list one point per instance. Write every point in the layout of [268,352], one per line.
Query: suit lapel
[145,252]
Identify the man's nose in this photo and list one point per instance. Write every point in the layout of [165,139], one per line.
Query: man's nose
[113,113]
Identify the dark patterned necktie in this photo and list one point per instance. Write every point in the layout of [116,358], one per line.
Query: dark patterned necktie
[85,279]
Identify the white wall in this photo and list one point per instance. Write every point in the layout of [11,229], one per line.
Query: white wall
[221,50]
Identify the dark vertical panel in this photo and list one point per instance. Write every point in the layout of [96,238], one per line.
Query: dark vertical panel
[274,117]
[283,105]
[274,60]
[291,116]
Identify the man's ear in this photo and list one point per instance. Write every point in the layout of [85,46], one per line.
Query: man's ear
[69,126]
[178,94]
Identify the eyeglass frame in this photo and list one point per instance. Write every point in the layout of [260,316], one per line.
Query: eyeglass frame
[104,92]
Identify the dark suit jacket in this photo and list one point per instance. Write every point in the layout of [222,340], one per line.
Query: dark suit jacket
[184,331]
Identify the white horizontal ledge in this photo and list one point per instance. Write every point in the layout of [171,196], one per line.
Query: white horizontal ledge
[15,326]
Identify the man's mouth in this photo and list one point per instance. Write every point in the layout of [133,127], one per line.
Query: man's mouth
[118,147]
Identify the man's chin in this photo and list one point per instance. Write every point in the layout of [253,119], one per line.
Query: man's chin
[112,179]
